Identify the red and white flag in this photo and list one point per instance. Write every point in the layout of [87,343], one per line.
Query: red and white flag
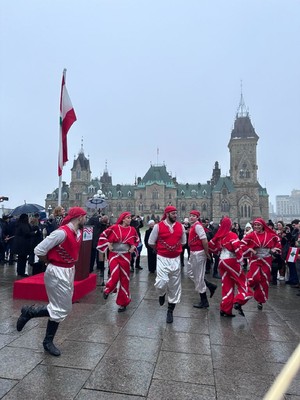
[67,118]
[292,254]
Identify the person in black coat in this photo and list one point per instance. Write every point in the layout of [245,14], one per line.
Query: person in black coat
[151,254]
[23,243]
[99,224]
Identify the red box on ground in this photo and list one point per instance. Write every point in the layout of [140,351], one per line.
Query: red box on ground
[33,288]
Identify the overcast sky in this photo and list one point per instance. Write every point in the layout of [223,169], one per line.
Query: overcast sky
[144,75]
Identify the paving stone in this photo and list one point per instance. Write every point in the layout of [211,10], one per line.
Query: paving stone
[49,383]
[181,367]
[170,390]
[122,376]
[15,363]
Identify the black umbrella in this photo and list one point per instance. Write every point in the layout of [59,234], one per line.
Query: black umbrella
[26,209]
[96,202]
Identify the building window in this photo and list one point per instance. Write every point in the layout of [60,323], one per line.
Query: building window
[109,194]
[78,174]
[194,193]
[119,207]
[141,196]
[204,207]
[129,194]
[182,193]
[119,193]
[170,196]
[141,207]
[154,195]
[204,192]
[224,206]
[77,196]
[183,207]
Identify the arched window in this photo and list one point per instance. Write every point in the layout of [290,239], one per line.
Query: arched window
[204,192]
[204,207]
[170,196]
[119,193]
[78,174]
[182,193]
[109,194]
[119,207]
[194,193]
[141,196]
[129,207]
[129,194]
[183,207]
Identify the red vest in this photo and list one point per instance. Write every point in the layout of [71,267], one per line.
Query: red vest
[195,243]
[169,243]
[66,253]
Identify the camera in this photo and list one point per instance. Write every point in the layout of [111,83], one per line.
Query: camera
[3,198]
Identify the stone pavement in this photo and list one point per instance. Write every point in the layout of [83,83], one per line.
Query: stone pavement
[136,355]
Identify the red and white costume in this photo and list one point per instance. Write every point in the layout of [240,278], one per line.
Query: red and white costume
[62,248]
[231,256]
[197,261]
[122,238]
[168,240]
[259,273]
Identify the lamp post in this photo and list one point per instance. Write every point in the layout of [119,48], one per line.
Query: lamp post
[49,210]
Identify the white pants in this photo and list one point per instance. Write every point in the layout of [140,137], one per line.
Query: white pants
[168,278]
[196,270]
[59,284]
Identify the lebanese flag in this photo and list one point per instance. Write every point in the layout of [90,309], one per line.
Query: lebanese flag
[292,254]
[67,118]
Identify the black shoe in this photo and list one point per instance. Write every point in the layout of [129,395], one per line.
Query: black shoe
[259,306]
[23,275]
[169,319]
[48,341]
[238,307]
[224,314]
[162,299]
[105,295]
[122,309]
[211,287]
[139,267]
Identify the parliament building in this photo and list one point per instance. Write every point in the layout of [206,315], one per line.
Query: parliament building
[239,195]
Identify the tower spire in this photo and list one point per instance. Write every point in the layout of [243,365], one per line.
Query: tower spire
[242,110]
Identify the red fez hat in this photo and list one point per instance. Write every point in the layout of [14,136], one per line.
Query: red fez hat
[168,210]
[122,217]
[74,212]
[195,212]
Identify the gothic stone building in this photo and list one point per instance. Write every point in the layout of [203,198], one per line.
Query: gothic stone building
[238,195]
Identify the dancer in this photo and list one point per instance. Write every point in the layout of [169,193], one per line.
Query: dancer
[121,239]
[259,246]
[231,270]
[60,252]
[199,253]
[167,238]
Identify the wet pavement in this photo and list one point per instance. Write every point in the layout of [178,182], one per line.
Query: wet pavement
[135,355]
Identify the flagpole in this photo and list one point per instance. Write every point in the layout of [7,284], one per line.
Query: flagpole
[66,120]
[60,140]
